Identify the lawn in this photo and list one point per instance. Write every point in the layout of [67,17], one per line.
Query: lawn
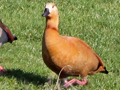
[97,22]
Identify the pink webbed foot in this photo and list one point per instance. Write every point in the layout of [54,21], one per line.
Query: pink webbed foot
[2,71]
[73,81]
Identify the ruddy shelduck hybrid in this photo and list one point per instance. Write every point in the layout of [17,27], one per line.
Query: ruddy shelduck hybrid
[5,36]
[67,56]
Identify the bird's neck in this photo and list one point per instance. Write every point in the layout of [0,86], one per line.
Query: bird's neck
[51,34]
[52,22]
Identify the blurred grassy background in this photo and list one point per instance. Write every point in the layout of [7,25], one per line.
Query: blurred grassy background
[97,22]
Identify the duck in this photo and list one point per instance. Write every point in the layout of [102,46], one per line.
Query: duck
[5,36]
[66,55]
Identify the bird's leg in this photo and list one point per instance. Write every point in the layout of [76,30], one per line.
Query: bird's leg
[2,70]
[71,82]
[84,82]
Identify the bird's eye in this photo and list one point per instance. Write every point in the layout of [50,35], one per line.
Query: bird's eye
[53,6]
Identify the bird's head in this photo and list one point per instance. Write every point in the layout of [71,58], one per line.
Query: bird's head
[50,10]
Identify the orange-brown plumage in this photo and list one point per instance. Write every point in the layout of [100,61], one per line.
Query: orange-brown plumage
[70,53]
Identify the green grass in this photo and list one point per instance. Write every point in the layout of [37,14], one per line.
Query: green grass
[97,22]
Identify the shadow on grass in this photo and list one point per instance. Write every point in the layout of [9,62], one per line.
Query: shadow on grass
[26,78]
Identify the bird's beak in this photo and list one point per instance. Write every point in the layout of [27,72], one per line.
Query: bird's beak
[46,12]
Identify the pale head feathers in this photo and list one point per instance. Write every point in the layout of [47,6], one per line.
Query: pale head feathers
[52,8]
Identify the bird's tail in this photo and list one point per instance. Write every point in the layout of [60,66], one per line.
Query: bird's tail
[105,71]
